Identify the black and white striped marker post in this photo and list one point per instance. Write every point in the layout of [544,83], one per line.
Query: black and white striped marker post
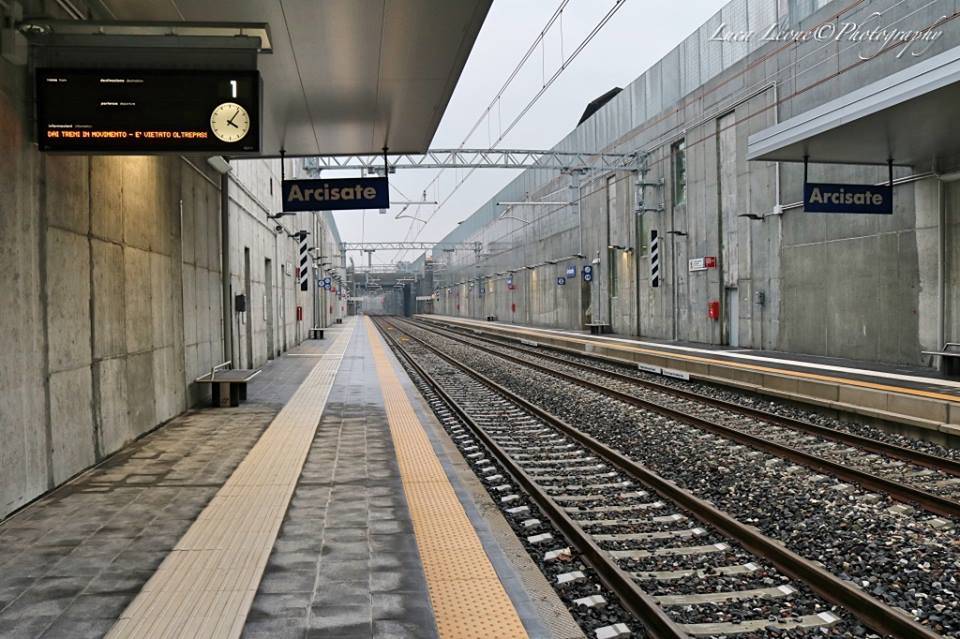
[654,259]
[304,283]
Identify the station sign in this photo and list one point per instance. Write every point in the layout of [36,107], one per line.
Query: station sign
[587,271]
[561,281]
[702,263]
[571,270]
[336,194]
[424,298]
[147,111]
[847,198]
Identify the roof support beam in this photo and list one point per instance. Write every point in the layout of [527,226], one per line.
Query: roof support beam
[412,246]
[479,158]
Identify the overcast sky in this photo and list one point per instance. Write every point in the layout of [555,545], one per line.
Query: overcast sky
[640,33]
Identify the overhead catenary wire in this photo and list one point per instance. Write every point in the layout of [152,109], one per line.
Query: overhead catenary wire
[565,63]
[496,101]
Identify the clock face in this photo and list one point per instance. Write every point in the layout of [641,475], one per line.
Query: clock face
[230,122]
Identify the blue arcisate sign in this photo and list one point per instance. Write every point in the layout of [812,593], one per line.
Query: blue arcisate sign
[847,198]
[338,194]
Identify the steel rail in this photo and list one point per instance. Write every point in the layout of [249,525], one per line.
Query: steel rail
[902,453]
[896,490]
[871,612]
[640,604]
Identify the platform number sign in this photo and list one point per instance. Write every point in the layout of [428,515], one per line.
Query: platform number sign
[587,273]
[304,258]
[561,281]
[654,259]
[327,282]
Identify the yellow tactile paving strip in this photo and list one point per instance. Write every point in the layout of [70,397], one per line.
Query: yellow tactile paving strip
[205,586]
[469,602]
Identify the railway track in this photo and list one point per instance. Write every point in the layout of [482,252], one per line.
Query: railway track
[906,475]
[702,571]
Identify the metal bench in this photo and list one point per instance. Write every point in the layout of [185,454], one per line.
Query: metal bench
[949,360]
[316,333]
[598,328]
[229,386]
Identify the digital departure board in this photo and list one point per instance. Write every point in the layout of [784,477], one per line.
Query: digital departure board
[148,111]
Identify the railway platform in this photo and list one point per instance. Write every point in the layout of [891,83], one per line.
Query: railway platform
[330,504]
[910,399]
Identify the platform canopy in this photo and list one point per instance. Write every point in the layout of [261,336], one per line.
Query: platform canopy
[345,76]
[910,116]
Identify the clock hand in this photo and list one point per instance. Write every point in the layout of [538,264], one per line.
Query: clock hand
[230,121]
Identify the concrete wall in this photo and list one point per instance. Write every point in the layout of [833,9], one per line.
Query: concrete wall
[864,287]
[93,337]
[110,293]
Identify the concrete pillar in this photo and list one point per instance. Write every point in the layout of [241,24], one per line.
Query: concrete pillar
[929,207]
[225,293]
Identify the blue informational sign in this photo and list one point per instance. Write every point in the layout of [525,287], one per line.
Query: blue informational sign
[336,194]
[571,270]
[847,198]
[327,282]
[561,281]
[587,273]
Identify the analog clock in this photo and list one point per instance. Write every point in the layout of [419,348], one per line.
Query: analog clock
[230,122]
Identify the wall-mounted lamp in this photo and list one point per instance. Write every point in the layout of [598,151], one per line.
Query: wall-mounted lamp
[220,164]
[751,216]
[514,217]
[680,233]
[532,203]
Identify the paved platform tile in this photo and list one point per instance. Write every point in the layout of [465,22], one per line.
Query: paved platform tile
[467,597]
[206,585]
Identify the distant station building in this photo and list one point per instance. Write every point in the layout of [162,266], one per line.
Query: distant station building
[712,242]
